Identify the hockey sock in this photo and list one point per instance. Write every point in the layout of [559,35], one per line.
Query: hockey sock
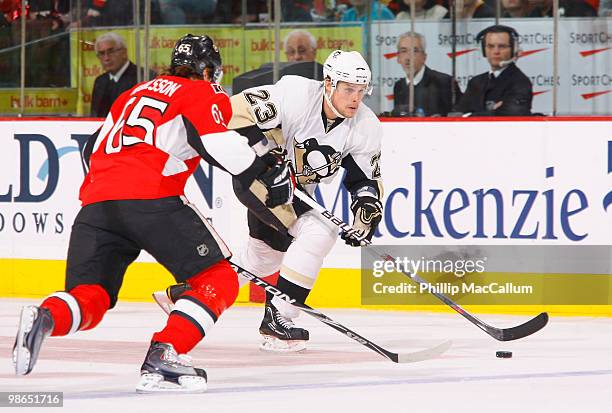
[197,310]
[291,289]
[82,308]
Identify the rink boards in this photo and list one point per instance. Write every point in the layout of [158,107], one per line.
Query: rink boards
[463,182]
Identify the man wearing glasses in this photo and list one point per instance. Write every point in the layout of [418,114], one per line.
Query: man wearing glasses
[504,90]
[300,46]
[119,73]
[432,89]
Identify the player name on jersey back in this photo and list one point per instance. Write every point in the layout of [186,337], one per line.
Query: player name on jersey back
[143,149]
[160,85]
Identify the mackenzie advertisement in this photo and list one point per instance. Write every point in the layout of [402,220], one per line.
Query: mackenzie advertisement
[480,183]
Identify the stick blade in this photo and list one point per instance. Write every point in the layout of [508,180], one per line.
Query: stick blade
[427,354]
[526,329]
[163,301]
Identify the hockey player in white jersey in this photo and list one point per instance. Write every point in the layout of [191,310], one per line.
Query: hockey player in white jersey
[319,127]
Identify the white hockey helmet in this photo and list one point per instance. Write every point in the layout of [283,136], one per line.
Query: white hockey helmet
[350,67]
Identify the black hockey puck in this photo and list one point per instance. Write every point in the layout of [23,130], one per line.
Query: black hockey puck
[503,354]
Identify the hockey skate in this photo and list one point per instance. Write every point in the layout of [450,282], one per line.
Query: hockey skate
[35,324]
[166,371]
[279,333]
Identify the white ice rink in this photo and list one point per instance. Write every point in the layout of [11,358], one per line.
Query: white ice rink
[567,367]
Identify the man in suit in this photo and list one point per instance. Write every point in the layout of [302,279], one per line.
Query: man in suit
[432,90]
[300,46]
[119,73]
[503,90]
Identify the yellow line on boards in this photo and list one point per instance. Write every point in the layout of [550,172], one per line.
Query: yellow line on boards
[335,288]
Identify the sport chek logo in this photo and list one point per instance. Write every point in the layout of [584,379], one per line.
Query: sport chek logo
[535,93]
[587,96]
[460,53]
[540,92]
[521,53]
[525,53]
[451,55]
[587,53]
[591,53]
[584,53]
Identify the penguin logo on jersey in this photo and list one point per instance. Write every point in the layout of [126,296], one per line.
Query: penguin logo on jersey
[314,161]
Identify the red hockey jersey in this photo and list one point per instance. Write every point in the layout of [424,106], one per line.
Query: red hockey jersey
[146,148]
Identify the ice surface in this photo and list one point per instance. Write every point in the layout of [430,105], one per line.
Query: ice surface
[567,367]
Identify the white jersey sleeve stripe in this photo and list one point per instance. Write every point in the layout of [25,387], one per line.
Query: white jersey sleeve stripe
[106,127]
[230,149]
[171,137]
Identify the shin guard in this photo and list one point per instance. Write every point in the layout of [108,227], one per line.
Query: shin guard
[197,310]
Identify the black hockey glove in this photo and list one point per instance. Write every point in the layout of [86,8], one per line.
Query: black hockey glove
[367,213]
[279,154]
[279,181]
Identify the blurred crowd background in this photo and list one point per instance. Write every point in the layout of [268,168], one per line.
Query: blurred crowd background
[51,54]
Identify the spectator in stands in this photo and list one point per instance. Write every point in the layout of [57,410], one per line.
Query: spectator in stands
[324,11]
[423,9]
[473,9]
[504,90]
[359,11]
[230,11]
[567,8]
[45,8]
[49,58]
[48,45]
[432,89]
[187,11]
[119,73]
[9,36]
[605,8]
[396,6]
[300,46]
[515,8]
[10,9]
[296,10]
[116,12]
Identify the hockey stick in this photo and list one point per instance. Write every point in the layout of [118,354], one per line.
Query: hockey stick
[501,334]
[165,302]
[395,357]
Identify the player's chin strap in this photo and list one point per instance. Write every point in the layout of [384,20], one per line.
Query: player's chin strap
[329,102]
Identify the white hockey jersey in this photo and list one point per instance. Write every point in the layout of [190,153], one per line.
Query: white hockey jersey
[317,148]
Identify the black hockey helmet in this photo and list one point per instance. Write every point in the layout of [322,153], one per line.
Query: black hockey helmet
[199,53]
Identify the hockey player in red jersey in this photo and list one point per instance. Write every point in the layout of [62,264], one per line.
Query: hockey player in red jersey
[133,199]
